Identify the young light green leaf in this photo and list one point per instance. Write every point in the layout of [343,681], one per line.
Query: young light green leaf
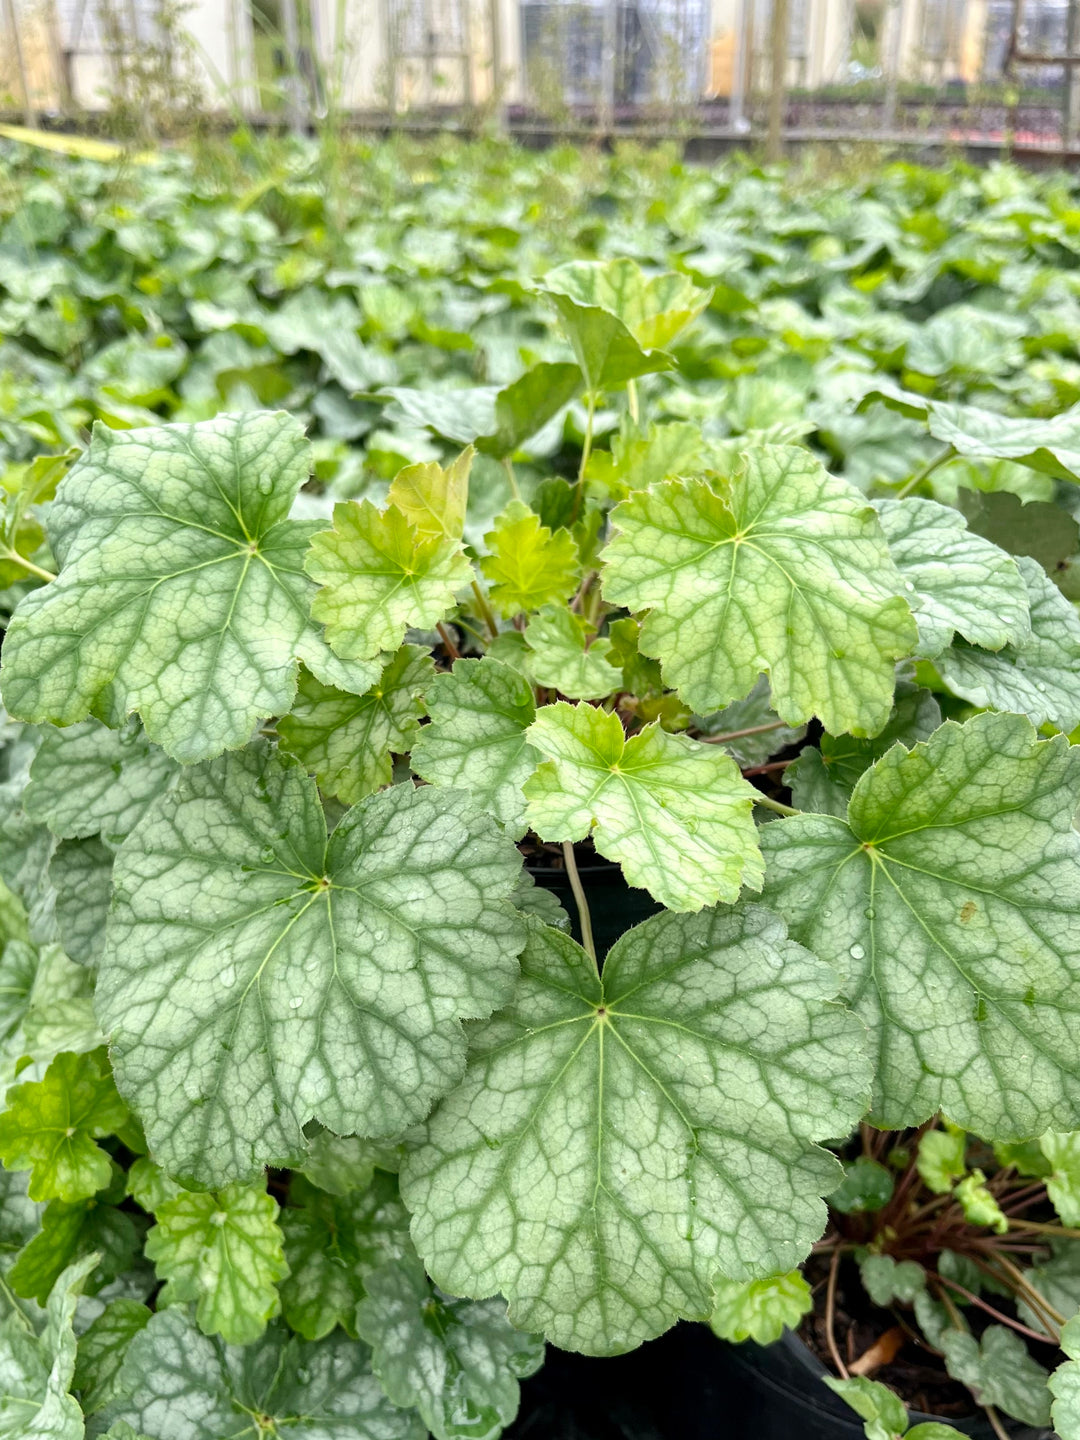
[380,575]
[1063,1185]
[346,741]
[179,1385]
[457,1361]
[102,1348]
[149,1186]
[153,527]
[528,566]
[882,1410]
[759,1310]
[675,814]
[616,1143]
[257,976]
[965,972]
[71,1233]
[476,741]
[332,1242]
[434,499]
[224,1250]
[49,1127]
[886,1280]
[999,1370]
[1064,1384]
[1040,678]
[566,657]
[36,1370]
[617,320]
[779,567]
[941,1158]
[88,780]
[978,1203]
[956,581]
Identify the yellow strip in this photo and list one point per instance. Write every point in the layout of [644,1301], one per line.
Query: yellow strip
[80,145]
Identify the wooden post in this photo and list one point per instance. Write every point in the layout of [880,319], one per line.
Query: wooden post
[893,37]
[1071,126]
[29,114]
[778,81]
[294,84]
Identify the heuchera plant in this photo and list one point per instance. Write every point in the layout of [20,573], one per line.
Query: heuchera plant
[268,795]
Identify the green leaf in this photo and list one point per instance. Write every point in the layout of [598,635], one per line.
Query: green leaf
[36,1369]
[1056,1276]
[866,1186]
[617,1142]
[1062,1150]
[675,814]
[759,1309]
[339,1164]
[49,1127]
[883,1412]
[979,1205]
[1064,1385]
[886,1280]
[149,1186]
[457,1361]
[566,657]
[822,780]
[380,575]
[476,741]
[617,320]
[529,566]
[1040,678]
[750,714]
[498,420]
[102,1348]
[257,975]
[80,872]
[779,567]
[346,741]
[635,462]
[332,1242]
[69,1234]
[181,594]
[941,1158]
[999,1370]
[527,404]
[179,1385]
[224,1250]
[963,970]
[89,780]
[956,581]
[433,499]
[51,1009]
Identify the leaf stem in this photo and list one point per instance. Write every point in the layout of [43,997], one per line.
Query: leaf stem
[974,1299]
[586,451]
[995,1423]
[830,1312]
[29,565]
[772,766]
[632,401]
[926,471]
[508,466]
[448,642]
[486,611]
[584,918]
[771,804]
[738,734]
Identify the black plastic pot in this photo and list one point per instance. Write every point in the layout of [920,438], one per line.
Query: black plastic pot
[613,905]
[687,1385]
